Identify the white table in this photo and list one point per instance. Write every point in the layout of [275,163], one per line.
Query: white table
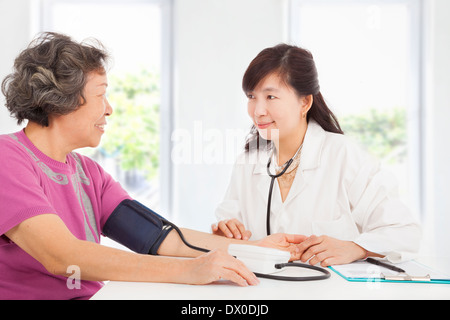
[333,288]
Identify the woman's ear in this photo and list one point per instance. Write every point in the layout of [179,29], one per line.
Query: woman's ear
[306,104]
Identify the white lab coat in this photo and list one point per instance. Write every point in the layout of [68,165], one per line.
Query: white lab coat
[338,190]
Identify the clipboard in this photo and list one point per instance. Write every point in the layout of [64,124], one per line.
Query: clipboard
[415,272]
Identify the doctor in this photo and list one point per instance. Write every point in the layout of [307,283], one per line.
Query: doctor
[331,191]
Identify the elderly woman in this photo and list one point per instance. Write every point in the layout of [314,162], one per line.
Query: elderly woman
[55,202]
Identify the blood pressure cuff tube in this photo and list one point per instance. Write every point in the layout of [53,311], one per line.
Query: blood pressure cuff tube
[136,227]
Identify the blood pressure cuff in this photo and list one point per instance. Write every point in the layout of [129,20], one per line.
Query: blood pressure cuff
[136,227]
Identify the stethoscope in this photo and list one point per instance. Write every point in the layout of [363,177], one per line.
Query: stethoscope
[325,273]
[274,176]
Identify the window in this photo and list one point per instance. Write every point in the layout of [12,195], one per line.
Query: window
[368,58]
[137,34]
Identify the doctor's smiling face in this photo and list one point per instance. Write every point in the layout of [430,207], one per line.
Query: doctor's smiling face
[283,88]
[277,111]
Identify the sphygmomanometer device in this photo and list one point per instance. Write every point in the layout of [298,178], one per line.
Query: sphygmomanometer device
[142,230]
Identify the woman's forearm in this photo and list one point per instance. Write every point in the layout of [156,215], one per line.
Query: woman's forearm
[104,263]
[58,251]
[99,263]
[174,246]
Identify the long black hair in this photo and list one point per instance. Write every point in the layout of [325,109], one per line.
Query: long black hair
[296,67]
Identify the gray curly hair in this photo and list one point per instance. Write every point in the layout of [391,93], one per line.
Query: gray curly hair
[49,77]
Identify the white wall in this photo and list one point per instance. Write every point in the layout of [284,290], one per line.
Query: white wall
[437,151]
[15,25]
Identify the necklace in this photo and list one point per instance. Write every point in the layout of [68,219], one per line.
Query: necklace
[285,181]
[295,158]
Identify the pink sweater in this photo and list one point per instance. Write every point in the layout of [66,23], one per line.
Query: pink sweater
[80,192]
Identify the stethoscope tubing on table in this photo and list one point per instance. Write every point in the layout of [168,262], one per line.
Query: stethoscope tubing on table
[325,273]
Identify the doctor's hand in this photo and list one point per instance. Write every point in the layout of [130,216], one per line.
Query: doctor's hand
[286,242]
[329,251]
[232,228]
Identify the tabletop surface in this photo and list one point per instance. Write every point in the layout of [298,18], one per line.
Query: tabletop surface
[334,287]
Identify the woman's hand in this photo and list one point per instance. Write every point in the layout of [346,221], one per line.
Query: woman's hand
[286,242]
[216,265]
[232,228]
[329,251]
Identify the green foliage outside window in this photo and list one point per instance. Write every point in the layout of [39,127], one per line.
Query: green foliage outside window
[382,132]
[132,135]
